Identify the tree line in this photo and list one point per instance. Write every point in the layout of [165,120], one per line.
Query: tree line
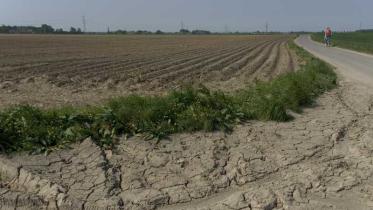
[182,31]
[43,29]
[47,29]
[365,30]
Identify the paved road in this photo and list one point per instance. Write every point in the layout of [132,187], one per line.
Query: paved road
[350,64]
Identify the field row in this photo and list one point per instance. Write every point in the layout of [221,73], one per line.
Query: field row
[142,63]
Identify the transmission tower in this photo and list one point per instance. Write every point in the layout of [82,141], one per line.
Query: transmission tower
[84,24]
[226,29]
[267,26]
[182,25]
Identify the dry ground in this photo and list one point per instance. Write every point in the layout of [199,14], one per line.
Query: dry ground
[77,70]
[321,160]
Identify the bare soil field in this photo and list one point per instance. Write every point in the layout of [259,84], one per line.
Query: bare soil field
[45,70]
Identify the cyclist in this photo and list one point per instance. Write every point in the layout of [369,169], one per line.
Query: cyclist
[328,36]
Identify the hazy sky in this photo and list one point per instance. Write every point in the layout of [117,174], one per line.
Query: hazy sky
[215,15]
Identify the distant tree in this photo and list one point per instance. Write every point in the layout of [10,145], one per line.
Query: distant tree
[159,32]
[47,29]
[143,32]
[59,31]
[73,30]
[79,31]
[365,30]
[200,32]
[120,32]
[4,29]
[184,31]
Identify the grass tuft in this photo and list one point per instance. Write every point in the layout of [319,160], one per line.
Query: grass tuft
[26,128]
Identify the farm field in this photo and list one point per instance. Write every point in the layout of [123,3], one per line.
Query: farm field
[52,70]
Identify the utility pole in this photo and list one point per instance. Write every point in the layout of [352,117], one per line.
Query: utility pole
[84,24]
[267,26]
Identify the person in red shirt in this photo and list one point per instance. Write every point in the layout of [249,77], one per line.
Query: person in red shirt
[328,36]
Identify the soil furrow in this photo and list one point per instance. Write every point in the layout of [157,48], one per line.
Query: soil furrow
[267,61]
[216,69]
[252,68]
[234,68]
[199,66]
[194,61]
[92,69]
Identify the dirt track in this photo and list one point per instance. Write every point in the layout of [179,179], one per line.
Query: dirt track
[77,70]
[321,160]
[353,66]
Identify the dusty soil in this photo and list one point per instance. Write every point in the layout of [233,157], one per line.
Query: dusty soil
[53,71]
[320,160]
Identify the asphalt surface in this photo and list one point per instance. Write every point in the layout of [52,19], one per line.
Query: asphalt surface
[351,65]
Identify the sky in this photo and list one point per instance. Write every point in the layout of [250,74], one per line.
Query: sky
[214,15]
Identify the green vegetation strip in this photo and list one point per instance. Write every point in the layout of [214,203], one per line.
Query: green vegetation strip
[26,128]
[359,41]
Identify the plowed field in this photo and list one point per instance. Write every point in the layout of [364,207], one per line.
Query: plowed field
[61,70]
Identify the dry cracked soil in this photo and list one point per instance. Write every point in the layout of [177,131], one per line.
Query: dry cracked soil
[320,160]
